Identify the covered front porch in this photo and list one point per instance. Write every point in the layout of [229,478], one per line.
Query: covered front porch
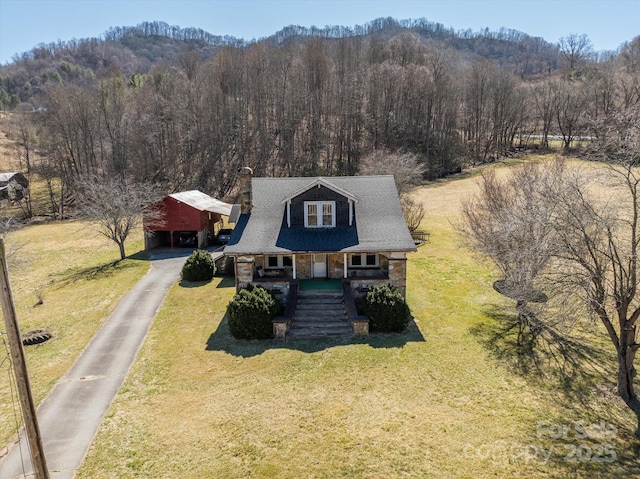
[358,267]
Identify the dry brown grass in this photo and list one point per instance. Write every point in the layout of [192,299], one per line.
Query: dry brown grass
[8,154]
[434,401]
[76,274]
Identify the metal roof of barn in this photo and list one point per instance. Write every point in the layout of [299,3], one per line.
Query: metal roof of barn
[202,202]
[7,177]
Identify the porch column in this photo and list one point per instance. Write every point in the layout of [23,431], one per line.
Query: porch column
[244,271]
[398,271]
[344,269]
[295,274]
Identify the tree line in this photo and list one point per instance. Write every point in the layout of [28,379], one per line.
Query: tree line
[319,106]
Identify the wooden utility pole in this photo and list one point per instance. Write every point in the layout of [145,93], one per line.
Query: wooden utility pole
[20,368]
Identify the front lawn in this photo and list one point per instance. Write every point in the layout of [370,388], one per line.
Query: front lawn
[434,401]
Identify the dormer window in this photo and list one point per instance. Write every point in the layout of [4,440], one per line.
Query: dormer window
[319,214]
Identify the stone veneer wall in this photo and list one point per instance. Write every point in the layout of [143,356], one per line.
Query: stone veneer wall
[303,266]
[398,274]
[336,264]
[244,271]
[359,286]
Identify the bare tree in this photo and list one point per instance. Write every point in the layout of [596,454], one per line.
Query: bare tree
[575,49]
[569,105]
[599,242]
[413,212]
[117,206]
[404,167]
[580,231]
[542,95]
[509,221]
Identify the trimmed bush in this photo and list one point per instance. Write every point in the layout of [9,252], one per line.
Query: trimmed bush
[199,266]
[387,310]
[250,313]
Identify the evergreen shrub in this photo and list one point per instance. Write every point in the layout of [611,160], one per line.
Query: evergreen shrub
[387,310]
[199,266]
[250,313]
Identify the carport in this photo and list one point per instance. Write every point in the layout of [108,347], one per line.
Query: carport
[190,219]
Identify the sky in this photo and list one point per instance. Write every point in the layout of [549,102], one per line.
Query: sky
[26,23]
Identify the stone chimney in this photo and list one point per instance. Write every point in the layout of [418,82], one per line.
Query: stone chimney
[246,174]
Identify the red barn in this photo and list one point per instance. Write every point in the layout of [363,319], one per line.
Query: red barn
[190,219]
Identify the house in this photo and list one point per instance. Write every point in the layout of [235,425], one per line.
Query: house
[13,187]
[189,219]
[349,228]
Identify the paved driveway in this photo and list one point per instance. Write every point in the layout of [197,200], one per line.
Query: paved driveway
[71,414]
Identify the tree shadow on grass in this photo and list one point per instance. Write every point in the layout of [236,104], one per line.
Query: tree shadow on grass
[225,282]
[222,340]
[75,274]
[579,375]
[580,379]
[571,365]
[192,284]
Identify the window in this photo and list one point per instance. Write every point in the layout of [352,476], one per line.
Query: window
[319,214]
[364,260]
[278,261]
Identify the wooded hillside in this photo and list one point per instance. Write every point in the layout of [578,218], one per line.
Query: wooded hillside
[185,109]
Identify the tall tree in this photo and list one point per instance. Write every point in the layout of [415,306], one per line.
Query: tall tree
[542,99]
[575,49]
[509,221]
[569,102]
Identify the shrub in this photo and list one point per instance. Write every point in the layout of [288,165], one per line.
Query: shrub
[199,266]
[250,313]
[387,310]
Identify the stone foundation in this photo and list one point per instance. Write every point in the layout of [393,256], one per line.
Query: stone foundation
[280,326]
[360,327]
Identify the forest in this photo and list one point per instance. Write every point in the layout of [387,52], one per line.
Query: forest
[184,109]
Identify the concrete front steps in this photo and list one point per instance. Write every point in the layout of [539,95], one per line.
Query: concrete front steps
[320,314]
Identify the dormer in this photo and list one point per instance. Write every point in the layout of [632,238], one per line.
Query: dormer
[320,204]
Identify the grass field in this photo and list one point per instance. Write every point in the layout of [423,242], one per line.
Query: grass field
[443,399]
[77,276]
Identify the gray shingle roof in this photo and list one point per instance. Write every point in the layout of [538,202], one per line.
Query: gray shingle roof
[379,225]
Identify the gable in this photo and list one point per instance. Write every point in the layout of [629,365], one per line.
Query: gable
[319,193]
[320,182]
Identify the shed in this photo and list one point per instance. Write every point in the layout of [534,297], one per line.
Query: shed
[13,187]
[190,219]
